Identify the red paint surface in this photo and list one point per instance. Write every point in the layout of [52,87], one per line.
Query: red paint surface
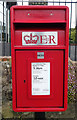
[39,20]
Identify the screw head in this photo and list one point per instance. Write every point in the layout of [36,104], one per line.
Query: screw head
[28,13]
[51,14]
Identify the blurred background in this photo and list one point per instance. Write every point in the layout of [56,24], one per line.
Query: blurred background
[5,59]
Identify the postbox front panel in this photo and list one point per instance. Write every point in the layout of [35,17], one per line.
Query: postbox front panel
[31,90]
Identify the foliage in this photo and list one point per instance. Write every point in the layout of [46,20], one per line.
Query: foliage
[71,83]
[73,34]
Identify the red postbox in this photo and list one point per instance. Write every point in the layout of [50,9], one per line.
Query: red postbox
[39,45]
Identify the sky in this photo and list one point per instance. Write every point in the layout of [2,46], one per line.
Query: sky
[73,22]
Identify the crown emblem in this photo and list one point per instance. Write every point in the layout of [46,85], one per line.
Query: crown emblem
[31,39]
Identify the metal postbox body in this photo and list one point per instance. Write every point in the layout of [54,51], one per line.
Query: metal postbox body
[39,47]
